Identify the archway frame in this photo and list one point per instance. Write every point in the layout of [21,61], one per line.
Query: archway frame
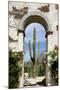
[46,24]
[38,17]
[38,14]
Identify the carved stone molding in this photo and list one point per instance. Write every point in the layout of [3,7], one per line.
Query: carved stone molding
[44,8]
[48,33]
[21,31]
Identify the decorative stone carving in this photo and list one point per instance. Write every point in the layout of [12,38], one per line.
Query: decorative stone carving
[18,13]
[44,8]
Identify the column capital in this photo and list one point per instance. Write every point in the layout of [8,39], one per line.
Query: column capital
[48,33]
[20,31]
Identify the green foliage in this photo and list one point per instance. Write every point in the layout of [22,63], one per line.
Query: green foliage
[54,70]
[39,70]
[53,55]
[14,69]
[54,64]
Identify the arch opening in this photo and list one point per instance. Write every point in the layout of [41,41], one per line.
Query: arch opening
[35,19]
[40,37]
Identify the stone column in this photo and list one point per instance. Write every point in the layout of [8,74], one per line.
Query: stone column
[22,77]
[20,40]
[48,73]
[20,48]
[48,65]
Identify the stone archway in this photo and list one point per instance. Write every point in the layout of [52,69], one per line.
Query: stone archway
[25,21]
[36,17]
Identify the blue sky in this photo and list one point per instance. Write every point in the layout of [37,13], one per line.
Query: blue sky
[40,37]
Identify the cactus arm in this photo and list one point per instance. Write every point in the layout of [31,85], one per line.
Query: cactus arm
[38,49]
[30,50]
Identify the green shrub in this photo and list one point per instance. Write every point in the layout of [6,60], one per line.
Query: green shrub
[14,69]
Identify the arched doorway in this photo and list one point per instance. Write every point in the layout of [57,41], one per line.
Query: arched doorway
[35,18]
[40,49]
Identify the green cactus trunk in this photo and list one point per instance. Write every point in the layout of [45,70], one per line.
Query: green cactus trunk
[33,57]
[34,52]
[34,44]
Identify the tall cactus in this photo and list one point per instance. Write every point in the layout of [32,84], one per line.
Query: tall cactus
[33,57]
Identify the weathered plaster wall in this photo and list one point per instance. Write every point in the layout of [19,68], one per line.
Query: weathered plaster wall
[51,15]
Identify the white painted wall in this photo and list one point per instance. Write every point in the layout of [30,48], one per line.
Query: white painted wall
[20,42]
